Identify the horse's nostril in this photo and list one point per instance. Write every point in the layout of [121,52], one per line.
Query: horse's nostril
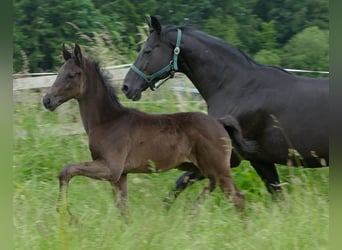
[124,88]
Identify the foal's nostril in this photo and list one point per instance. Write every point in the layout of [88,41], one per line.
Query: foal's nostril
[46,101]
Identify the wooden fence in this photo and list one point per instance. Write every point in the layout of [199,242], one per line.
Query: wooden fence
[43,80]
[31,88]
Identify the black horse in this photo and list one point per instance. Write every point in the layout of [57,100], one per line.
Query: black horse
[287,115]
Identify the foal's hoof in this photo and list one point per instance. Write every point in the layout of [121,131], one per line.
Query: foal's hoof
[67,216]
[239,201]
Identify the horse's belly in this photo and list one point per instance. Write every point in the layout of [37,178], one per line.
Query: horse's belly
[287,150]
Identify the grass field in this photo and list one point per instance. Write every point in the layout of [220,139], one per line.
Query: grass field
[43,145]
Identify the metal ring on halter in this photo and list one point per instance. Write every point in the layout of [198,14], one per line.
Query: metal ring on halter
[172,67]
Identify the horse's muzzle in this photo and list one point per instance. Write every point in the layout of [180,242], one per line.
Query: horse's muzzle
[133,94]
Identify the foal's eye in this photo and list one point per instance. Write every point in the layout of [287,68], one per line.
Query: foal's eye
[70,76]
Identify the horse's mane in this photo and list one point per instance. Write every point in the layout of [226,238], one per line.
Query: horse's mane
[216,41]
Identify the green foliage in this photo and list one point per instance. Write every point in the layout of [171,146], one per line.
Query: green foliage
[30,161]
[42,28]
[308,49]
[114,27]
[267,36]
[100,46]
[268,57]
[227,32]
[293,16]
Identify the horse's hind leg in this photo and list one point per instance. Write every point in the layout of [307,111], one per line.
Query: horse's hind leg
[269,175]
[184,181]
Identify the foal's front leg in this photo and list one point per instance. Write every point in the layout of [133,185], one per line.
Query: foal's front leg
[120,192]
[97,169]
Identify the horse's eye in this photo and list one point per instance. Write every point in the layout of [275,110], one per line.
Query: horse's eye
[147,50]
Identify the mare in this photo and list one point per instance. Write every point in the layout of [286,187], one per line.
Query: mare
[286,115]
[124,140]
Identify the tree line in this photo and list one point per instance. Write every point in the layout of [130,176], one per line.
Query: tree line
[285,33]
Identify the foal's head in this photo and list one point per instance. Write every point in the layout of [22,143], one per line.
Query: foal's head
[69,82]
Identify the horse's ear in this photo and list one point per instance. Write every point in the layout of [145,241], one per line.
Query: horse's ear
[155,25]
[66,53]
[148,21]
[78,54]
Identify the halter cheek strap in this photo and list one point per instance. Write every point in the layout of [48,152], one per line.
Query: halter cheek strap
[171,68]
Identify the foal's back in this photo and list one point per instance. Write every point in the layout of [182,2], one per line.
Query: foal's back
[167,140]
[189,126]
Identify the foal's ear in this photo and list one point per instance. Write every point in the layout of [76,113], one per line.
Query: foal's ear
[154,24]
[66,53]
[78,54]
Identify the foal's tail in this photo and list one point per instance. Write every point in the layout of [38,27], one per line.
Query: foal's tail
[239,142]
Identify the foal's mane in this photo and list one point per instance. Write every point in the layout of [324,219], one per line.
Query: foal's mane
[107,79]
[216,41]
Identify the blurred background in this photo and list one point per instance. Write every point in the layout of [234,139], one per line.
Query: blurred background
[289,34]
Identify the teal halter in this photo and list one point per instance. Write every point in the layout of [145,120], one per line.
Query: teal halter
[172,67]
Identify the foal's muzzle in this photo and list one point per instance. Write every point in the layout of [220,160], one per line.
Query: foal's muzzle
[51,102]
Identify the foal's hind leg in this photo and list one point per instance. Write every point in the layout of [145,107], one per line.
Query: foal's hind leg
[230,190]
[96,169]
[207,189]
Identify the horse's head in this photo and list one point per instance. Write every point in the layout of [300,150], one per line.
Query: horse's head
[69,81]
[154,62]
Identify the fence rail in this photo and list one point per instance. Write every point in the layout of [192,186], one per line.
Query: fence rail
[29,89]
[34,81]
[44,80]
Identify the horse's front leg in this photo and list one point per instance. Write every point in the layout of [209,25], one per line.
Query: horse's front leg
[97,169]
[120,192]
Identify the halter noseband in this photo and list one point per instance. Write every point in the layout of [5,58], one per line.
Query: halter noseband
[172,67]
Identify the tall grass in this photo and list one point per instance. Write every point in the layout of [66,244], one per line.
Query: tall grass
[299,220]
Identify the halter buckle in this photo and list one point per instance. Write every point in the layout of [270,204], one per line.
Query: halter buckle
[171,68]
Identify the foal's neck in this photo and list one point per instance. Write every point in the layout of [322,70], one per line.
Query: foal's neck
[96,105]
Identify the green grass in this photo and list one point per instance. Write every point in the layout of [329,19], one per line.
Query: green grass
[300,220]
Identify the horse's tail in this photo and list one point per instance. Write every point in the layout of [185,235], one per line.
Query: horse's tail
[242,145]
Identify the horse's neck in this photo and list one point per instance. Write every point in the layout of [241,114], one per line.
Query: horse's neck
[209,68]
[96,106]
